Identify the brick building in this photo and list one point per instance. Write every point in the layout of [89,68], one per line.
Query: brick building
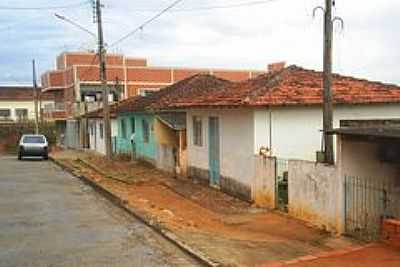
[76,79]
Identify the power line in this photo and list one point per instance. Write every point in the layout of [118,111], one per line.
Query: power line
[244,4]
[146,23]
[211,7]
[24,22]
[45,7]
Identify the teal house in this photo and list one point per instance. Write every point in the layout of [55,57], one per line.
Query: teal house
[159,133]
[133,119]
[126,127]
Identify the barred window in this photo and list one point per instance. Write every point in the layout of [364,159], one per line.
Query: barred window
[197,131]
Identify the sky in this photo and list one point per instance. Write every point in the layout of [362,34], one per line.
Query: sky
[251,36]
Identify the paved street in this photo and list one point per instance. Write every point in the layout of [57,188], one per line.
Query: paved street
[49,218]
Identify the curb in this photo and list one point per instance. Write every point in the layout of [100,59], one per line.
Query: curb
[170,236]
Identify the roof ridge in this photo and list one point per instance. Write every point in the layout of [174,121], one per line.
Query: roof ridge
[272,80]
[343,76]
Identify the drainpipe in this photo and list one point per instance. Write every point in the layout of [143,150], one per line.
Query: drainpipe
[270,130]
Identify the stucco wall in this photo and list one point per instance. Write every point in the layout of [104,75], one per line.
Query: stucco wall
[296,131]
[164,134]
[236,146]
[314,193]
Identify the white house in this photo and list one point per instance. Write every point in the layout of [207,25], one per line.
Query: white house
[281,113]
[95,130]
[17,103]
[96,134]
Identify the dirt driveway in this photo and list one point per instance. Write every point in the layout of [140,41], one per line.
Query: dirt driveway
[228,230]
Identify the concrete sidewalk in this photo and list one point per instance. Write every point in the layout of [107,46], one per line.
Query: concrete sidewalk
[225,229]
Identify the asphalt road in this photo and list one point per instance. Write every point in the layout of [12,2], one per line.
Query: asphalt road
[50,218]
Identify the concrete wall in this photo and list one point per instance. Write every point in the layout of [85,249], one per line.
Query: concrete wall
[315,194]
[236,128]
[296,130]
[96,143]
[263,190]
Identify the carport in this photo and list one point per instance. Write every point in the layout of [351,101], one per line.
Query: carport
[368,160]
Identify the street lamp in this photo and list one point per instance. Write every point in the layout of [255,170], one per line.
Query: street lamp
[75,24]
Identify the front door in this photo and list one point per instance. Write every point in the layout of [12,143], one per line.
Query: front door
[213,148]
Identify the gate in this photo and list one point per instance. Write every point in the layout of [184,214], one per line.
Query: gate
[281,184]
[367,203]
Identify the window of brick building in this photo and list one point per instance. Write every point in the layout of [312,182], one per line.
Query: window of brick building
[21,114]
[5,114]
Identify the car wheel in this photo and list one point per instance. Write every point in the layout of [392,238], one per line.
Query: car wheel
[46,157]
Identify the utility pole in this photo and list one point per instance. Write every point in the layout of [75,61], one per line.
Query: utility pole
[327,79]
[35,97]
[327,83]
[103,79]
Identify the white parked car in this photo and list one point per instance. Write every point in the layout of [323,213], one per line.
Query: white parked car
[31,145]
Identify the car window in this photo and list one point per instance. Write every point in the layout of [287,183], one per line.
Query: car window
[34,140]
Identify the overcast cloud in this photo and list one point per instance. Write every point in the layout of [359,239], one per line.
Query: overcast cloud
[246,37]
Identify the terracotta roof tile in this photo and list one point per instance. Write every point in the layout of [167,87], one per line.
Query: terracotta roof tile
[292,86]
[170,95]
[19,93]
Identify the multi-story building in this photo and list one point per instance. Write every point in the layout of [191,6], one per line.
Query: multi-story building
[77,89]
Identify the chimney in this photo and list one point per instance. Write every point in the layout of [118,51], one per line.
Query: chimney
[275,67]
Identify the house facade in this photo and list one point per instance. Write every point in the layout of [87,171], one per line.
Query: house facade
[279,114]
[17,103]
[97,137]
[126,127]
[91,132]
[160,137]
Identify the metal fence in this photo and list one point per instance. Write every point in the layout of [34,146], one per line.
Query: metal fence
[367,202]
